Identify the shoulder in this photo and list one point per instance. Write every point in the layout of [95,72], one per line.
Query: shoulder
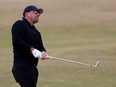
[18,23]
[18,26]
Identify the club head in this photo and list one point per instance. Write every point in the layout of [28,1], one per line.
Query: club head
[97,64]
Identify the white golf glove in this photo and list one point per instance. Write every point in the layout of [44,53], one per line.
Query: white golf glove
[36,53]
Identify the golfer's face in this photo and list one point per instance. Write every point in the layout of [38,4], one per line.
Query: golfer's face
[34,16]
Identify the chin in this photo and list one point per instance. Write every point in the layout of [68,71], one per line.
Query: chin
[35,22]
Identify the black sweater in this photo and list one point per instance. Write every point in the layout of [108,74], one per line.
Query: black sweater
[25,36]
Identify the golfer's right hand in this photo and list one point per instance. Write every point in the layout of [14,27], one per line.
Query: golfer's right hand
[44,55]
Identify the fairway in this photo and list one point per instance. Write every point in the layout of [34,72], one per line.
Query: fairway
[79,30]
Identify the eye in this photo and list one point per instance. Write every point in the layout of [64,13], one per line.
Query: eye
[35,12]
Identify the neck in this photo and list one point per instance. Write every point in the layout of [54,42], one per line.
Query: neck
[29,20]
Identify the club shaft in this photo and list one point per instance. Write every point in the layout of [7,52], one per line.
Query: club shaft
[66,60]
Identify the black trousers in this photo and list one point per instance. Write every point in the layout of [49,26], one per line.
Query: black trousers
[25,74]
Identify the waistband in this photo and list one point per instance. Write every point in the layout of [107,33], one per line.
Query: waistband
[15,63]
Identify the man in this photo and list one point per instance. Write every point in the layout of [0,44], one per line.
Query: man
[27,47]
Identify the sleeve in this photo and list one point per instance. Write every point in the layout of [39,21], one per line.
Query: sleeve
[41,46]
[18,32]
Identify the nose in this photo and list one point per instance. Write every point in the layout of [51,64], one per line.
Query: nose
[38,14]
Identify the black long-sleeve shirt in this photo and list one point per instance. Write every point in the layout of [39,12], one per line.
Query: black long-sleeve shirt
[25,36]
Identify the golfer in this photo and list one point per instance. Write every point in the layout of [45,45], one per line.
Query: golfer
[27,47]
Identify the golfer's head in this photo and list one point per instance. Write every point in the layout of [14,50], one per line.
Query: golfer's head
[32,13]
[32,8]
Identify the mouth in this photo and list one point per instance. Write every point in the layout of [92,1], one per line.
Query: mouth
[36,18]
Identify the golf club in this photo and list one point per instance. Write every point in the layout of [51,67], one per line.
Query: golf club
[61,59]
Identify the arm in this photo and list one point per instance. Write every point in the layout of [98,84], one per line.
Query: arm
[40,41]
[18,32]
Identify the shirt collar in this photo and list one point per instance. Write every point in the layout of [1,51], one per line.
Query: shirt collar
[28,23]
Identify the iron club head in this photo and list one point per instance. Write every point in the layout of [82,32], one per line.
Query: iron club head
[97,64]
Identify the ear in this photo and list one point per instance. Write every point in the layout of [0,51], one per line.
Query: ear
[26,13]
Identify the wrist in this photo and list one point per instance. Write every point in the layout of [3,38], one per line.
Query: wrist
[31,49]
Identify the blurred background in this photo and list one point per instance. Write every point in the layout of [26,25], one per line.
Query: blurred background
[79,30]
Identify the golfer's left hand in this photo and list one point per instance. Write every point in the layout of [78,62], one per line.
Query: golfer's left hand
[44,55]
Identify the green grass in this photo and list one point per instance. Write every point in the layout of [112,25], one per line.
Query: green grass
[80,30]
